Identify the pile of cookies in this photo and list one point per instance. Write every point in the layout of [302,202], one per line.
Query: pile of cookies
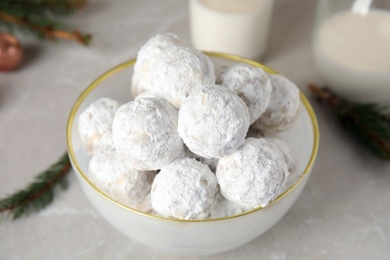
[181,149]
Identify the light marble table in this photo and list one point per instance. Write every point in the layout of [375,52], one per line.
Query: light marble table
[343,213]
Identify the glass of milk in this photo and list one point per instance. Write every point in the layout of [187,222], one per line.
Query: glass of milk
[237,27]
[351,48]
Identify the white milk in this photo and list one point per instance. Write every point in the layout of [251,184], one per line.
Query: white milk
[232,26]
[352,53]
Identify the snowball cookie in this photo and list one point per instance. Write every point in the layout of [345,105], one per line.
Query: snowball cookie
[145,205]
[144,132]
[283,107]
[146,94]
[250,83]
[180,72]
[213,122]
[288,153]
[115,178]
[254,175]
[94,124]
[185,189]
[290,158]
[225,208]
[210,162]
[147,55]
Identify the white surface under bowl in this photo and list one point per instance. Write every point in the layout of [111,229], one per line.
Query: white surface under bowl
[189,237]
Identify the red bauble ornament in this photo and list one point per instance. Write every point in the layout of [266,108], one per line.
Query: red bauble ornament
[11,53]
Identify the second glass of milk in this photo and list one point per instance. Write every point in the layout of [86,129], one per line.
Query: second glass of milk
[351,47]
[237,27]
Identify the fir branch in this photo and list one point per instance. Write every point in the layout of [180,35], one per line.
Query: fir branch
[41,7]
[368,123]
[38,194]
[39,18]
[55,5]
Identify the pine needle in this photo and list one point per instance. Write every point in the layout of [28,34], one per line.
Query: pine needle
[38,194]
[40,18]
[368,123]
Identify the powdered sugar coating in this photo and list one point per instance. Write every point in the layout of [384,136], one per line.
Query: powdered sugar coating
[94,124]
[213,122]
[283,107]
[144,132]
[287,152]
[185,189]
[225,208]
[147,55]
[179,72]
[210,162]
[254,175]
[146,94]
[115,178]
[145,205]
[250,83]
[291,160]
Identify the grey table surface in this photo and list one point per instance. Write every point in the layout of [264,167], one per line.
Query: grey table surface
[343,212]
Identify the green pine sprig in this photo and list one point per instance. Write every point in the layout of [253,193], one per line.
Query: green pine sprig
[38,194]
[41,18]
[368,123]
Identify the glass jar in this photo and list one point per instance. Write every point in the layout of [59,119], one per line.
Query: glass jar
[351,48]
[237,27]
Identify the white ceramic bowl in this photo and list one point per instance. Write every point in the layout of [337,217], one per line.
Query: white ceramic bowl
[184,236]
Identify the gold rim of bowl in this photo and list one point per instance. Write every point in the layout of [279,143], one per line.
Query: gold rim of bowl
[127,64]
